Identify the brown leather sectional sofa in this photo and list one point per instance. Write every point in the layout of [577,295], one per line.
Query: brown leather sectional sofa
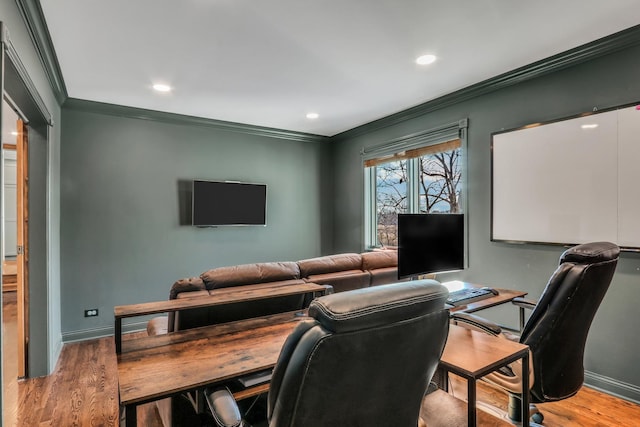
[342,271]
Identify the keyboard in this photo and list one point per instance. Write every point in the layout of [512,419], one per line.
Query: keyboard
[468,295]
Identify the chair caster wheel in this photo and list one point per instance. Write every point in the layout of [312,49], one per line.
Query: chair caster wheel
[537,418]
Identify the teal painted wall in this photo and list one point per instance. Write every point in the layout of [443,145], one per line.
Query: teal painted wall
[123,208]
[612,349]
[44,317]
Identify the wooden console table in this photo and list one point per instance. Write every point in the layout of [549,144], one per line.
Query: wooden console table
[241,295]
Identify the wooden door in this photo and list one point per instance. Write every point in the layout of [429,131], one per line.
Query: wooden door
[22,258]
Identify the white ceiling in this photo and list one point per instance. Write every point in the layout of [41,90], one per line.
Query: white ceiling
[269,62]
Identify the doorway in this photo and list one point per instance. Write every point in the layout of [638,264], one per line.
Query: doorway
[42,313]
[15,301]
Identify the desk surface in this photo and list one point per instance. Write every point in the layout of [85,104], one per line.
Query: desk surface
[475,354]
[160,366]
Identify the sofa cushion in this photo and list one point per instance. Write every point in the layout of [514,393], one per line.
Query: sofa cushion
[342,280]
[189,284]
[379,259]
[235,275]
[330,264]
[384,276]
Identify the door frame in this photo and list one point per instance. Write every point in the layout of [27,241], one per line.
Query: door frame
[22,257]
[42,318]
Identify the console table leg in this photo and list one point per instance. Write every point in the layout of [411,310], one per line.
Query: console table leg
[131,416]
[471,402]
[525,390]
[118,335]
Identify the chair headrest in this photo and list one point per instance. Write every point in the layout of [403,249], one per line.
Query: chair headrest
[591,253]
[378,305]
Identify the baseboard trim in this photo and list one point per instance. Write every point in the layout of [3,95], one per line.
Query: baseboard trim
[105,331]
[55,355]
[612,386]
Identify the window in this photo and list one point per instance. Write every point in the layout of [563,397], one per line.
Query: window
[422,178]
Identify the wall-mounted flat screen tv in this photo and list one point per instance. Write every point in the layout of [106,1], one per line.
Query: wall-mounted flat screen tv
[430,243]
[220,203]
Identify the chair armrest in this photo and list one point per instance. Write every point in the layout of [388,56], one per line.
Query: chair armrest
[223,407]
[524,303]
[476,322]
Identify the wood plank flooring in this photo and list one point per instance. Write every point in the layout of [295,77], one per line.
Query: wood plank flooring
[9,275]
[83,392]
[10,360]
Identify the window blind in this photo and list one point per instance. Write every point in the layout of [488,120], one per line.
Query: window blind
[410,145]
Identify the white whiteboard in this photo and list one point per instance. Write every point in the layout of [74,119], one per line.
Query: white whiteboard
[569,182]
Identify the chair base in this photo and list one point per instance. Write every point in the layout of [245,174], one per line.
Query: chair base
[514,410]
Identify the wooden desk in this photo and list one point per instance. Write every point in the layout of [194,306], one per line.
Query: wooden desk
[473,354]
[161,366]
[244,293]
[156,367]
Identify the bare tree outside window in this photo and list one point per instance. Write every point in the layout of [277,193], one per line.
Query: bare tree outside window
[438,179]
[440,182]
[391,199]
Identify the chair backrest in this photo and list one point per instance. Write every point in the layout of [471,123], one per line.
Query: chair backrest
[364,359]
[557,330]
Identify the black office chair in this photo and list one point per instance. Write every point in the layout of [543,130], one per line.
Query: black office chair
[557,329]
[364,358]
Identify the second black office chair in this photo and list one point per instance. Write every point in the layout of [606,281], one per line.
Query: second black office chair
[364,358]
[557,330]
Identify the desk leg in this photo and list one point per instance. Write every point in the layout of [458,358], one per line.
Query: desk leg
[131,415]
[525,390]
[471,402]
[118,335]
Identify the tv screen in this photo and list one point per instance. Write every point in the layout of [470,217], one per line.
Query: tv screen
[218,203]
[430,243]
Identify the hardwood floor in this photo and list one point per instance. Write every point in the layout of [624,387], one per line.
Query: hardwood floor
[9,278]
[589,408]
[10,359]
[83,392]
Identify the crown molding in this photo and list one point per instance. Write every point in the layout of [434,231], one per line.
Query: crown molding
[604,46]
[160,116]
[22,73]
[39,32]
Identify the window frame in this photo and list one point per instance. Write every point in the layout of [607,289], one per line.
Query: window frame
[398,147]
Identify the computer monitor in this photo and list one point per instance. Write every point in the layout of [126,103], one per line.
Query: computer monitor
[430,243]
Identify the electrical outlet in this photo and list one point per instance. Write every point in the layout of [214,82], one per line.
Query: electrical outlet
[92,312]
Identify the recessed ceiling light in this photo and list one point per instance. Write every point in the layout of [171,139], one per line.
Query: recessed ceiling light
[590,126]
[14,133]
[312,115]
[425,59]
[162,87]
